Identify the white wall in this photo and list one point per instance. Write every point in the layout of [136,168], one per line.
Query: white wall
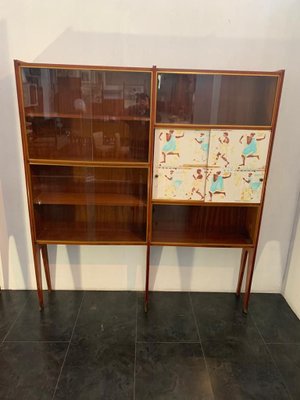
[216,34]
[292,281]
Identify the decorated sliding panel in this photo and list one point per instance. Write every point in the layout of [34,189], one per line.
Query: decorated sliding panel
[180,158]
[230,186]
[218,165]
[239,149]
[236,165]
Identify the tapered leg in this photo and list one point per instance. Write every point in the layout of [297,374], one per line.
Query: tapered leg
[147,278]
[46,266]
[38,274]
[242,271]
[250,269]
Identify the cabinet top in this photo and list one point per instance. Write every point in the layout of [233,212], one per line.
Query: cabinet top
[19,63]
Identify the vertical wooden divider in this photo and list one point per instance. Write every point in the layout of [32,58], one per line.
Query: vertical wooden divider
[150,181]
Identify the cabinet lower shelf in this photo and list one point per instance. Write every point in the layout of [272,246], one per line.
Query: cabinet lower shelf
[198,239]
[213,226]
[61,233]
[88,198]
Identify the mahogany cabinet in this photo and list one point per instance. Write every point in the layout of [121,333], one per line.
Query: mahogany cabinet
[146,156]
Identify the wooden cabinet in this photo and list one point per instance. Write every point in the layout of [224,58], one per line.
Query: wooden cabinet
[146,156]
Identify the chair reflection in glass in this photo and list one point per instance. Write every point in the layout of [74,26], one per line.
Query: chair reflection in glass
[109,146]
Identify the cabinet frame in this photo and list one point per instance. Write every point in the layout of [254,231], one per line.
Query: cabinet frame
[249,251]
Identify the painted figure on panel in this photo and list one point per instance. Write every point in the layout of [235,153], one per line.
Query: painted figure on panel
[172,190]
[170,146]
[223,150]
[203,142]
[253,186]
[197,185]
[217,185]
[250,150]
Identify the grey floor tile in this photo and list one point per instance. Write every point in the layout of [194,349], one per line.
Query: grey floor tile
[243,371]
[29,371]
[108,317]
[54,323]
[287,359]
[219,317]
[171,371]
[97,371]
[169,319]
[11,303]
[274,318]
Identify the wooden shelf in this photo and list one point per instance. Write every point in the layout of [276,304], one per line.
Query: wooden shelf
[202,203]
[105,118]
[198,239]
[76,233]
[104,199]
[166,125]
[77,163]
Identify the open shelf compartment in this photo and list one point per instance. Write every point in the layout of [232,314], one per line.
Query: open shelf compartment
[90,224]
[213,226]
[78,185]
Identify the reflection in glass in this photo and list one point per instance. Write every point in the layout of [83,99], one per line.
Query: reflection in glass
[90,204]
[215,99]
[87,115]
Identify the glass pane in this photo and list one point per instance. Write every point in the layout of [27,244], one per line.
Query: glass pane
[87,115]
[215,99]
[90,204]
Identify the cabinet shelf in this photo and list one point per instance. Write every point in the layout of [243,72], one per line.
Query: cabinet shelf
[211,126]
[90,223]
[198,239]
[88,199]
[88,186]
[203,204]
[76,163]
[61,233]
[105,118]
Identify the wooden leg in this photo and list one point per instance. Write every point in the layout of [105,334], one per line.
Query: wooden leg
[250,269]
[242,271]
[46,266]
[38,273]
[147,278]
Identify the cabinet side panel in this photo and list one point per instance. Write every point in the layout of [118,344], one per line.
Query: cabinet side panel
[18,74]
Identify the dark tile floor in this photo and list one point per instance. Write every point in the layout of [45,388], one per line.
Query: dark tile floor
[101,345]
